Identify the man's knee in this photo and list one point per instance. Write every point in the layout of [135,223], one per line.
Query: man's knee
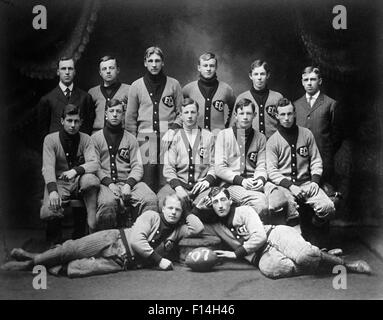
[274,265]
[106,217]
[89,181]
[309,257]
[277,200]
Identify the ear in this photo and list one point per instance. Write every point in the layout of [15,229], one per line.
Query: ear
[199,68]
[250,77]
[58,71]
[267,75]
[320,81]
[81,121]
[118,70]
[62,121]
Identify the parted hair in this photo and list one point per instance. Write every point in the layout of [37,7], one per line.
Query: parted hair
[283,102]
[188,101]
[71,109]
[216,190]
[310,69]
[65,58]
[207,56]
[114,102]
[259,63]
[244,102]
[107,58]
[151,50]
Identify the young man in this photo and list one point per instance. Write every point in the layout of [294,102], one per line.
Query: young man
[294,164]
[215,98]
[50,106]
[69,159]
[148,243]
[153,103]
[121,171]
[278,251]
[319,113]
[263,98]
[189,162]
[111,88]
[240,161]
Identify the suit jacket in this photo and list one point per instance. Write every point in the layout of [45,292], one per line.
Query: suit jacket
[51,105]
[321,119]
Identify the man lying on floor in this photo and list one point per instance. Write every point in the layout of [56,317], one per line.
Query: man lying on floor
[146,244]
[278,251]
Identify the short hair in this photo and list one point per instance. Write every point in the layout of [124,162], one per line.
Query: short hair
[151,50]
[107,58]
[175,196]
[216,190]
[283,102]
[244,102]
[188,101]
[259,63]
[71,109]
[65,58]
[207,56]
[310,69]
[114,102]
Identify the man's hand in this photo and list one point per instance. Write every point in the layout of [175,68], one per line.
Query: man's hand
[225,254]
[314,189]
[204,203]
[181,192]
[167,139]
[247,183]
[165,264]
[54,201]
[68,175]
[115,189]
[297,192]
[126,191]
[200,187]
[257,185]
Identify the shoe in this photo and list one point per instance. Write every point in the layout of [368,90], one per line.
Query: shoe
[358,266]
[335,251]
[16,265]
[20,255]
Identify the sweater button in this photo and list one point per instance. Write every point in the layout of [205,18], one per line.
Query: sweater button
[238,237]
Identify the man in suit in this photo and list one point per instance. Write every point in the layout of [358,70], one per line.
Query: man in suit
[50,108]
[318,112]
[51,105]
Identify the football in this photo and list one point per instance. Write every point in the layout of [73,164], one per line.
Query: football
[201,259]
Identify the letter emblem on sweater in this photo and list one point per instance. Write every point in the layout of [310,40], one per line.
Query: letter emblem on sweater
[303,151]
[124,154]
[169,245]
[272,111]
[253,158]
[242,230]
[218,105]
[202,152]
[168,101]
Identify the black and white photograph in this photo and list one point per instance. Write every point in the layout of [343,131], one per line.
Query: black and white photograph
[191,153]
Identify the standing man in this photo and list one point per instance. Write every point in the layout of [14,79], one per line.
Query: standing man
[69,160]
[294,164]
[189,162]
[120,173]
[153,103]
[318,112]
[215,98]
[278,251]
[148,243]
[263,98]
[110,88]
[51,105]
[240,161]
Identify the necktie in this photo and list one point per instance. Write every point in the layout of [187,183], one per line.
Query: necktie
[67,93]
[311,101]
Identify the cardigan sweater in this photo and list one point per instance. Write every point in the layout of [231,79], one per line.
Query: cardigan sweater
[293,163]
[56,160]
[185,164]
[236,160]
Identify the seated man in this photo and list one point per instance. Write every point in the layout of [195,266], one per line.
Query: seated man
[69,160]
[146,244]
[120,172]
[240,161]
[189,162]
[295,165]
[278,251]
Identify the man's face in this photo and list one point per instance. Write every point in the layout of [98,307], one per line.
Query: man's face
[71,123]
[66,72]
[311,82]
[154,64]
[109,71]
[207,68]
[115,114]
[172,210]
[259,77]
[286,116]
[189,115]
[221,204]
[245,117]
